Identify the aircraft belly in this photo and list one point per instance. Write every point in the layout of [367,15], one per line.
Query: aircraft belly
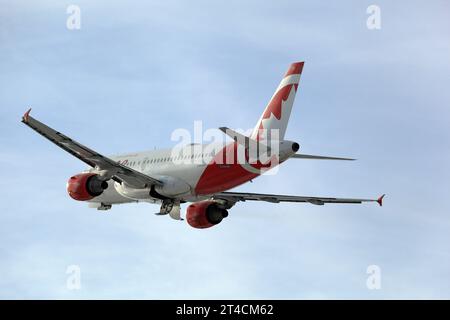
[189,173]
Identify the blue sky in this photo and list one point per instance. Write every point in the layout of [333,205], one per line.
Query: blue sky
[136,71]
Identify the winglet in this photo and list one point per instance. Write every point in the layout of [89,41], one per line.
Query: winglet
[380,200]
[25,116]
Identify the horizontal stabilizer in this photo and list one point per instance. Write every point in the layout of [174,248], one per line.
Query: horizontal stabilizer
[310,156]
[236,136]
[243,140]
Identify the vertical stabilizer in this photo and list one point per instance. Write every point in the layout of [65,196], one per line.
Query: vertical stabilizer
[277,113]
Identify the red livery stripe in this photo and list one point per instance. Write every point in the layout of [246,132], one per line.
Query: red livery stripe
[295,68]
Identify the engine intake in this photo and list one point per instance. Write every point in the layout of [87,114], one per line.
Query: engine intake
[205,214]
[85,186]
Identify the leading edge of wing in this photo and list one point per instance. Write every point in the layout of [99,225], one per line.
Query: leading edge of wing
[276,198]
[89,156]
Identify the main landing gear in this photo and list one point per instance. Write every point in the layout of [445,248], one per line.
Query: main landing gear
[170,207]
[100,206]
[166,207]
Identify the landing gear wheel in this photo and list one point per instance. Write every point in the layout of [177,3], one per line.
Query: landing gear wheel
[166,207]
[104,207]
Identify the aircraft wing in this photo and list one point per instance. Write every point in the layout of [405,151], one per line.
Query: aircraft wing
[234,197]
[108,166]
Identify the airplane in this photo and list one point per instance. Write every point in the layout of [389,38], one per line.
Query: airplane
[196,174]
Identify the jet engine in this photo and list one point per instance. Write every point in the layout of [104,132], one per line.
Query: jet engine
[86,186]
[205,214]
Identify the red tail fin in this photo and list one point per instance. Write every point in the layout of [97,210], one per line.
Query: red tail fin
[276,115]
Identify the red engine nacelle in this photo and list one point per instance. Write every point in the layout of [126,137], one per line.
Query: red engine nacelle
[205,214]
[85,186]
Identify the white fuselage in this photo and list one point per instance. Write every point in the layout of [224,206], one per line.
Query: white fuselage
[181,170]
